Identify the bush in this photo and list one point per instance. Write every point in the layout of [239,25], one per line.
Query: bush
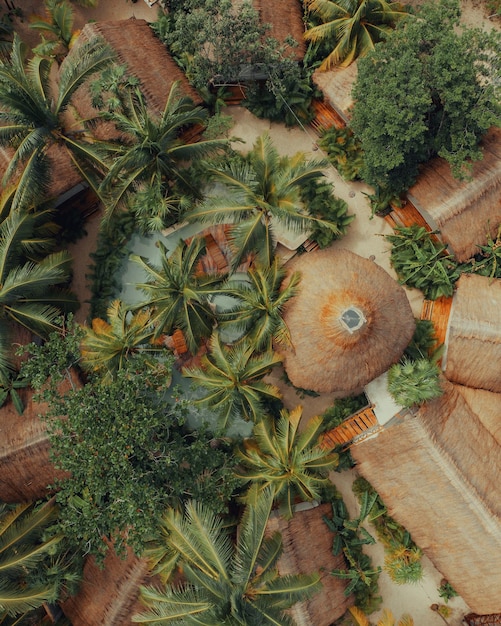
[414,382]
[342,409]
[344,151]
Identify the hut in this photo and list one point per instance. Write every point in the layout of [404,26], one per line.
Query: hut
[336,86]
[348,323]
[473,342]
[307,548]
[482,620]
[285,20]
[465,212]
[440,480]
[108,595]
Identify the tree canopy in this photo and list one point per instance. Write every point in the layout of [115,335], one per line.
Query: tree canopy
[431,89]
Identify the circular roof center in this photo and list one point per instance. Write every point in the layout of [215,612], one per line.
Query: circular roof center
[352,319]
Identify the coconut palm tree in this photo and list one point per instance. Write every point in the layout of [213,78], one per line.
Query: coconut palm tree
[232,377]
[31,118]
[29,288]
[292,463]
[261,299]
[178,293]
[154,154]
[23,550]
[107,345]
[263,195]
[58,24]
[226,583]
[351,27]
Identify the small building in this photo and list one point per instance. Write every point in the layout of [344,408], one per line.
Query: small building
[336,86]
[349,321]
[285,18]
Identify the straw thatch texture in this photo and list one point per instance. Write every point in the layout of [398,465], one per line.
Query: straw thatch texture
[473,353]
[25,468]
[326,357]
[286,20]
[482,620]
[437,471]
[465,212]
[336,85]
[307,548]
[108,596]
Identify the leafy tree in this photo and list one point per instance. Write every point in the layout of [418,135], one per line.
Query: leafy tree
[350,28]
[125,450]
[32,118]
[225,583]
[178,293]
[292,463]
[432,88]
[414,382]
[34,565]
[231,378]
[261,300]
[263,194]
[107,345]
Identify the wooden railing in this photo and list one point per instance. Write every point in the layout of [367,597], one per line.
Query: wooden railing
[352,427]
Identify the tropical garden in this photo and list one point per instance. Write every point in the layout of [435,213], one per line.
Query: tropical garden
[134,469]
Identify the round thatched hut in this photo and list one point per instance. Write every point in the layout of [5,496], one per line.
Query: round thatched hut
[349,322]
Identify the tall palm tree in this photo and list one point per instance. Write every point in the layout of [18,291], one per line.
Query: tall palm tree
[154,153]
[31,117]
[29,288]
[263,195]
[178,293]
[22,552]
[261,300]
[291,462]
[235,585]
[232,377]
[351,27]
[107,345]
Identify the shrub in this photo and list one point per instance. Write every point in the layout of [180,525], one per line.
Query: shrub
[344,151]
[414,382]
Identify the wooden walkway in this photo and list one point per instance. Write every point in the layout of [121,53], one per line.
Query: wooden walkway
[351,428]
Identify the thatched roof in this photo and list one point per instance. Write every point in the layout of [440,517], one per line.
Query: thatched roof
[482,620]
[437,471]
[474,333]
[108,596]
[338,289]
[336,85]
[307,544]
[465,212]
[285,19]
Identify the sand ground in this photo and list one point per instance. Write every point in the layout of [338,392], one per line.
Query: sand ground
[365,237]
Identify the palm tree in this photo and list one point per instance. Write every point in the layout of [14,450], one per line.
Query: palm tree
[232,377]
[351,27]
[292,463]
[107,345]
[178,293]
[261,300]
[155,154]
[387,618]
[58,24]
[414,382]
[263,194]
[31,118]
[22,553]
[225,583]
[29,288]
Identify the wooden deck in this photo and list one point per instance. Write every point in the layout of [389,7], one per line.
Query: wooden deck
[325,117]
[351,428]
[406,215]
[438,312]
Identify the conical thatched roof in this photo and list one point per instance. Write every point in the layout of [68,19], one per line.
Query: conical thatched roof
[349,322]
[336,86]
[473,355]
[286,20]
[465,212]
[108,596]
[307,548]
[437,471]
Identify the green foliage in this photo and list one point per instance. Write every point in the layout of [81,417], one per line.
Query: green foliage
[432,88]
[319,197]
[423,344]
[342,409]
[488,261]
[58,26]
[223,582]
[421,261]
[10,382]
[404,565]
[126,452]
[446,590]
[412,383]
[344,151]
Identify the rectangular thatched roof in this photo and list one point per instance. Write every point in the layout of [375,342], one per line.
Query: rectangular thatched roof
[286,20]
[473,354]
[437,471]
[465,212]
[336,85]
[307,548]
